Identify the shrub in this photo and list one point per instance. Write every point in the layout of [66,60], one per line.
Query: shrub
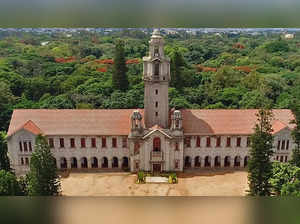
[141,177]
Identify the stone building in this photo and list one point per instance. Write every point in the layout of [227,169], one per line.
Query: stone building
[155,138]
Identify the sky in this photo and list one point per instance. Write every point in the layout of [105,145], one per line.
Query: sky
[149,13]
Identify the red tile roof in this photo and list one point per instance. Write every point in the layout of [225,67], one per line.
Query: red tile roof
[117,122]
[228,122]
[74,122]
[29,126]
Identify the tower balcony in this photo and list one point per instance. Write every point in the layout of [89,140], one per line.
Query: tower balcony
[156,156]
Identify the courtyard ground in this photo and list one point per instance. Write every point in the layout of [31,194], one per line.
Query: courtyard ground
[200,183]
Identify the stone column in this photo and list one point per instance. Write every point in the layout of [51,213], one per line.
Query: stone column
[109,163]
[193,163]
[231,162]
[68,163]
[89,163]
[212,162]
[222,161]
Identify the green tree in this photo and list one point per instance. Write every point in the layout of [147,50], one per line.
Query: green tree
[296,134]
[9,185]
[42,178]
[177,63]
[119,76]
[260,166]
[284,174]
[4,160]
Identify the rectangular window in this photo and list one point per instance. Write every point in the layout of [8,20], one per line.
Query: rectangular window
[114,142]
[20,146]
[176,146]
[156,91]
[187,141]
[218,143]
[22,161]
[176,164]
[61,143]
[228,143]
[26,161]
[25,146]
[103,142]
[287,144]
[93,142]
[282,144]
[285,159]
[124,142]
[238,142]
[156,104]
[278,145]
[72,143]
[198,142]
[30,146]
[82,140]
[248,141]
[277,158]
[51,143]
[156,114]
[208,142]
[137,165]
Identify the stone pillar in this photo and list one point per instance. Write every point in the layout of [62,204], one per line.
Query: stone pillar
[212,162]
[89,163]
[131,162]
[192,163]
[109,163]
[222,161]
[69,163]
[231,162]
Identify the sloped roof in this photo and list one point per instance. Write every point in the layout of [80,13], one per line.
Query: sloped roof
[74,122]
[228,122]
[117,122]
[29,126]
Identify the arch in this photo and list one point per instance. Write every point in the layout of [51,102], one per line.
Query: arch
[115,162]
[156,144]
[197,161]
[237,161]
[187,162]
[73,162]
[218,161]
[84,162]
[125,162]
[63,163]
[94,162]
[207,161]
[104,162]
[227,161]
[246,161]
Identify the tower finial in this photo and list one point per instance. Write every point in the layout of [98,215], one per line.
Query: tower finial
[156,32]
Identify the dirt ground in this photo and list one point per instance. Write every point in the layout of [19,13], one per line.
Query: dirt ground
[204,183]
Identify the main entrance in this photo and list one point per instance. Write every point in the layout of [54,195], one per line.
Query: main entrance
[156,167]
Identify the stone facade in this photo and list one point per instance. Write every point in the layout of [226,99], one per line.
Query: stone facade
[154,139]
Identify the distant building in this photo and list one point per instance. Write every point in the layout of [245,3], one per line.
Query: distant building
[151,139]
[289,36]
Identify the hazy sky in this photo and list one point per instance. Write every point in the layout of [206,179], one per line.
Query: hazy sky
[132,13]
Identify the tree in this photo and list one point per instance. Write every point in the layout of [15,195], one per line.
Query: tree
[260,166]
[177,63]
[42,178]
[284,177]
[296,134]
[119,77]
[4,160]
[9,185]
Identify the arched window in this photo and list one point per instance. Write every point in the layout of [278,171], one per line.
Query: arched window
[156,68]
[156,144]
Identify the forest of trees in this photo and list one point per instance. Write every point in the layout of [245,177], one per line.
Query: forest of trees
[56,70]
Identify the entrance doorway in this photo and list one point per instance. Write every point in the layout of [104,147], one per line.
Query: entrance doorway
[156,167]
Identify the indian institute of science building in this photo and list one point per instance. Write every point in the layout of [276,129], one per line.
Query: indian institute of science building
[155,138]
